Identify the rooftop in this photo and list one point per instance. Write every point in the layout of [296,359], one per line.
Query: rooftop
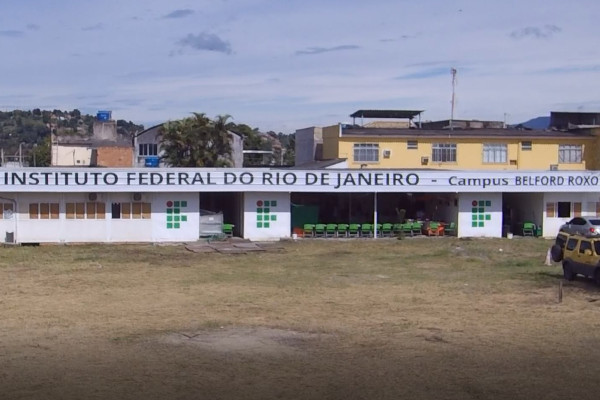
[349,130]
[410,114]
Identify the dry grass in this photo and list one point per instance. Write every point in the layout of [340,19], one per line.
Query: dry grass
[348,319]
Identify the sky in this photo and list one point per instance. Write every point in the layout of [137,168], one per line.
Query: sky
[283,65]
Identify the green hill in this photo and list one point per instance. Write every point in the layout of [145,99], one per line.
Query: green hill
[26,128]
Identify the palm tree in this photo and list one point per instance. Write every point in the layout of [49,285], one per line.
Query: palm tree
[196,142]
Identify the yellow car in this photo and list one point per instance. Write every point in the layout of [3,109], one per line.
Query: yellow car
[581,256]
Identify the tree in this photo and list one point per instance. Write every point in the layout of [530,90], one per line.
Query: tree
[40,154]
[196,142]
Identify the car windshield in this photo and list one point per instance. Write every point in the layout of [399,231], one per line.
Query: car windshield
[595,221]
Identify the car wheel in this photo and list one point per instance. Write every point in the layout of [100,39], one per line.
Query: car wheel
[568,271]
[557,253]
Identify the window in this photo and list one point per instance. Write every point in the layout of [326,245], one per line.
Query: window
[89,210]
[494,153]
[550,210]
[443,152]
[564,209]
[585,245]
[571,244]
[366,152]
[412,145]
[569,153]
[526,146]
[148,149]
[6,210]
[577,209]
[43,211]
[133,210]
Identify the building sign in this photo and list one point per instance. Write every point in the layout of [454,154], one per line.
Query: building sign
[175,216]
[480,213]
[282,180]
[264,213]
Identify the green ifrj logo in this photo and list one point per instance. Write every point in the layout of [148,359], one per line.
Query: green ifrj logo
[174,214]
[264,213]
[479,213]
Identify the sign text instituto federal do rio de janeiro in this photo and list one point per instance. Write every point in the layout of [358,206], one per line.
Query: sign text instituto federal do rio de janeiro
[287,180]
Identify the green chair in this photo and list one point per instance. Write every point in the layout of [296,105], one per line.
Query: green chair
[416,228]
[528,229]
[386,229]
[397,229]
[320,230]
[331,230]
[354,230]
[407,229]
[308,230]
[228,229]
[366,230]
[450,229]
[342,230]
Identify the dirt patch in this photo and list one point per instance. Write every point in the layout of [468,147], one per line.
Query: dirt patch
[244,340]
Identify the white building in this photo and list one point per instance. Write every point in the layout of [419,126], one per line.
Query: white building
[164,204]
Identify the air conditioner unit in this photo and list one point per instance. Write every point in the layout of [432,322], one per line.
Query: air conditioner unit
[424,160]
[553,167]
[92,196]
[137,196]
[387,153]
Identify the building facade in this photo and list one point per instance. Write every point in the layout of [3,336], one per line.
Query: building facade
[474,149]
[166,204]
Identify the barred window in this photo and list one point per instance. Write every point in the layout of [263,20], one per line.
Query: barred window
[569,153]
[526,146]
[89,210]
[412,145]
[148,149]
[366,152]
[134,210]
[494,153]
[443,152]
[6,210]
[43,210]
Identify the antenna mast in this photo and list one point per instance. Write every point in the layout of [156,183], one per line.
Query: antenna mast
[453,72]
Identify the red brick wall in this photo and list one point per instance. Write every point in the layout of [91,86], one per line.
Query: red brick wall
[115,157]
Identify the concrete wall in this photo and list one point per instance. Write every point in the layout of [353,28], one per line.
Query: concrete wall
[71,156]
[589,206]
[267,216]
[105,130]
[331,143]
[237,150]
[308,141]
[174,218]
[480,214]
[189,217]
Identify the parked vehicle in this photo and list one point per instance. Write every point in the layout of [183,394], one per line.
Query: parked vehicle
[581,256]
[582,226]
[559,246]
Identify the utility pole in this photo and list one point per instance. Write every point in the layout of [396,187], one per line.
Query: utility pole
[453,72]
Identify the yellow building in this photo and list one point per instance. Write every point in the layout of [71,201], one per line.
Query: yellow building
[462,149]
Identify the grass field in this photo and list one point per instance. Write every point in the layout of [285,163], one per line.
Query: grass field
[421,318]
